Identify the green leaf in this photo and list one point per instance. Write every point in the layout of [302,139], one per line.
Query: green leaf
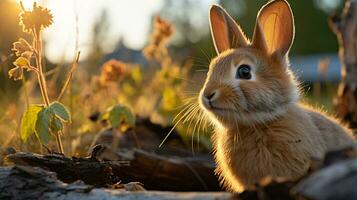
[56,124]
[43,123]
[28,121]
[60,111]
[121,114]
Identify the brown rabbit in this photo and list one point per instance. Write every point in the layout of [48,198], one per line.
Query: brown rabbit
[251,97]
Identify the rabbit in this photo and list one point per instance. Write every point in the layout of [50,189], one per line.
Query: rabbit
[252,99]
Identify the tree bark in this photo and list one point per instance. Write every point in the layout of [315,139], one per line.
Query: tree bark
[155,171]
[22,182]
[345,27]
[333,178]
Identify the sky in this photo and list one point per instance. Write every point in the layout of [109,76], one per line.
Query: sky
[128,19]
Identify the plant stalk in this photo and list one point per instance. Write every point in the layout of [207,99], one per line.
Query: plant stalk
[59,142]
[26,92]
[42,81]
[40,76]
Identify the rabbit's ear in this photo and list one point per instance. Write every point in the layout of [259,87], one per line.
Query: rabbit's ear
[226,33]
[274,29]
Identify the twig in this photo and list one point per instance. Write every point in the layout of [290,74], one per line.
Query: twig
[34,69]
[69,77]
[52,71]
[42,80]
[59,142]
[40,75]
[26,92]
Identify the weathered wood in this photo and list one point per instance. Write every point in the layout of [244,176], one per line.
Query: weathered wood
[345,27]
[334,182]
[29,183]
[170,173]
[89,170]
[333,178]
[154,171]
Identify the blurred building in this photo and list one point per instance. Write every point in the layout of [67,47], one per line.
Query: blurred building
[317,67]
[125,54]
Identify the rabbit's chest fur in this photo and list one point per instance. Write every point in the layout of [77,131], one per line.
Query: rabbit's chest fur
[279,149]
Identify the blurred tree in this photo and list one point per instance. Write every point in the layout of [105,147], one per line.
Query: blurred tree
[312,32]
[192,36]
[9,32]
[9,29]
[189,18]
[345,27]
[100,29]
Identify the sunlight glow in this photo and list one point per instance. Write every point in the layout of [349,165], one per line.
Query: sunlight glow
[27,3]
[129,21]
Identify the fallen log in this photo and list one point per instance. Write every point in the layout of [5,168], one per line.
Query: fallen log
[333,178]
[22,182]
[169,173]
[156,172]
[68,170]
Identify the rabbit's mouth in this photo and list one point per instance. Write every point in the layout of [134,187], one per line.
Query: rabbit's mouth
[215,108]
[218,110]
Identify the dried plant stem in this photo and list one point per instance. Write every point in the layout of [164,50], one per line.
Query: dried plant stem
[42,81]
[69,77]
[27,101]
[59,142]
[40,75]
[65,86]
[40,143]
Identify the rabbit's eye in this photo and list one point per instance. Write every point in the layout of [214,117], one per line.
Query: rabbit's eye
[243,72]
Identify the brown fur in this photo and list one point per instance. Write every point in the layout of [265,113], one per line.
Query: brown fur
[281,148]
[260,128]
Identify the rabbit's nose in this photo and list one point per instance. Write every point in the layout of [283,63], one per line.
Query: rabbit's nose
[210,96]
